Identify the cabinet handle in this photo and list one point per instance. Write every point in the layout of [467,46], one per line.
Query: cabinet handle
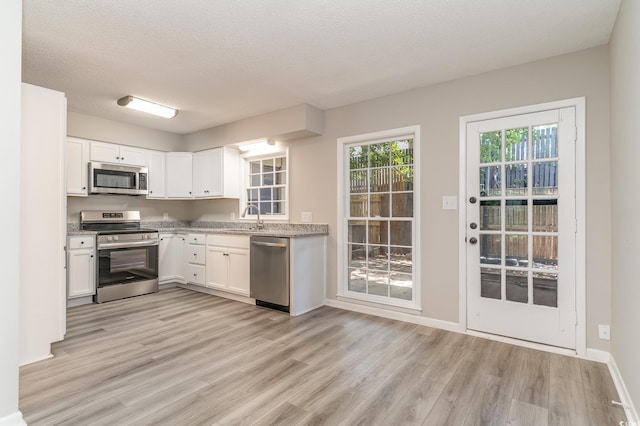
[81,242]
[117,158]
[84,188]
[150,192]
[91,255]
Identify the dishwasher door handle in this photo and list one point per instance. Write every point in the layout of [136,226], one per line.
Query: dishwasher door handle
[260,243]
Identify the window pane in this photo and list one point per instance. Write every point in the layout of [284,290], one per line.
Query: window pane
[278,194]
[265,194]
[401,286]
[490,215]
[402,178]
[267,179]
[402,204]
[402,152]
[545,289]
[545,215]
[545,141]
[378,258]
[358,206]
[265,208]
[516,215]
[401,259]
[401,233]
[490,181]
[379,181]
[281,178]
[357,280]
[357,231]
[545,178]
[490,144]
[517,286]
[490,249]
[490,283]
[358,181]
[516,250]
[378,232]
[516,177]
[357,256]
[545,252]
[378,283]
[379,155]
[516,144]
[278,208]
[379,205]
[358,157]
[254,166]
[255,180]
[267,165]
[280,163]
[252,195]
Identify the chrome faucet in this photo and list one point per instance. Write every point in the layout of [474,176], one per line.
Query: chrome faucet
[259,222]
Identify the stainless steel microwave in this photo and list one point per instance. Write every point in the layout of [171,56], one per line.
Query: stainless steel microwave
[109,178]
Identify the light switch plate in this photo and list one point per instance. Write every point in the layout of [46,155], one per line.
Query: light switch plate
[604,332]
[306,217]
[449,202]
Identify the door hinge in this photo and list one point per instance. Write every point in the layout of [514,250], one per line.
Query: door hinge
[575,226]
[575,318]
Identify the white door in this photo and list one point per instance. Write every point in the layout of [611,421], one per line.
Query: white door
[521,227]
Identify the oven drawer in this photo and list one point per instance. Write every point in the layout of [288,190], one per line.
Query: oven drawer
[195,254]
[85,241]
[198,239]
[195,274]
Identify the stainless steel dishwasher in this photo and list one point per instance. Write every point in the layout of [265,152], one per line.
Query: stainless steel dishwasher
[269,271]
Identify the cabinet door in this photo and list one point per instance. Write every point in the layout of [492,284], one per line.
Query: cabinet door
[179,179]
[196,274]
[156,165]
[133,156]
[77,159]
[207,173]
[217,268]
[82,273]
[180,247]
[105,152]
[238,278]
[167,261]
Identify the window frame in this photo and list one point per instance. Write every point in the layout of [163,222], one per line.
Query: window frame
[343,216]
[245,170]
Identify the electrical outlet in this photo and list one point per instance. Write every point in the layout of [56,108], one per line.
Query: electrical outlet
[604,332]
[306,217]
[232,216]
[165,216]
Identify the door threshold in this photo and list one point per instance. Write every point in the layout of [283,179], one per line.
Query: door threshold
[525,343]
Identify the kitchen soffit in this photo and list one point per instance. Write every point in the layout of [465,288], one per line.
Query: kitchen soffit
[221,61]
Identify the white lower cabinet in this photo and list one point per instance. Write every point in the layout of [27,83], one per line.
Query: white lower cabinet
[227,265]
[81,266]
[195,258]
[167,259]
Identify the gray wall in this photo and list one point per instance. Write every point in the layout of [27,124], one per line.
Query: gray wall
[10,77]
[625,152]
[438,109]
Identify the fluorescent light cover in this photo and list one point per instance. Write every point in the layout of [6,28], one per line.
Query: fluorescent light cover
[255,146]
[148,107]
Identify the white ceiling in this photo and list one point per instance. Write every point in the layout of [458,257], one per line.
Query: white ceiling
[219,61]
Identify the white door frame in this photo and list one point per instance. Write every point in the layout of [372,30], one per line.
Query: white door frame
[580,273]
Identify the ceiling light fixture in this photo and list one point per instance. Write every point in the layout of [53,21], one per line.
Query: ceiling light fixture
[260,145]
[147,106]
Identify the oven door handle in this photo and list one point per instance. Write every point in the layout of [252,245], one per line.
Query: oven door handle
[130,244]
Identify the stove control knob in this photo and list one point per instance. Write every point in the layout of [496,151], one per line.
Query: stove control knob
[109,238]
[115,237]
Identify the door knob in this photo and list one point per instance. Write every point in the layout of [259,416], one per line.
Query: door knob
[473,240]
[473,225]
[473,200]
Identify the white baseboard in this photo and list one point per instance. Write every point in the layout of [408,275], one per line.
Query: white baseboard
[597,355]
[627,403]
[400,316]
[14,419]
[225,294]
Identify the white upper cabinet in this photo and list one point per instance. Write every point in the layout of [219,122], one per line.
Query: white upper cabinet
[112,153]
[179,179]
[77,166]
[216,173]
[156,163]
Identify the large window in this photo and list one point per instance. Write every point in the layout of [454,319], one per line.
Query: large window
[379,220]
[266,185]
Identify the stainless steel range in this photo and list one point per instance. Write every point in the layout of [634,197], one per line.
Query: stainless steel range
[127,254]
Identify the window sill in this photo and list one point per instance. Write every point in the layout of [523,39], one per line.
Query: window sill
[410,308]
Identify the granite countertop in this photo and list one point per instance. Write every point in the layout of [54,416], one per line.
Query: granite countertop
[289,230]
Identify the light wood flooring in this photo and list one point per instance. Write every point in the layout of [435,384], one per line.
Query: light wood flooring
[183,358]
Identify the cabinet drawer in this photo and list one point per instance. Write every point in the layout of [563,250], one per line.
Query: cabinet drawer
[85,241]
[195,274]
[199,239]
[231,241]
[196,254]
